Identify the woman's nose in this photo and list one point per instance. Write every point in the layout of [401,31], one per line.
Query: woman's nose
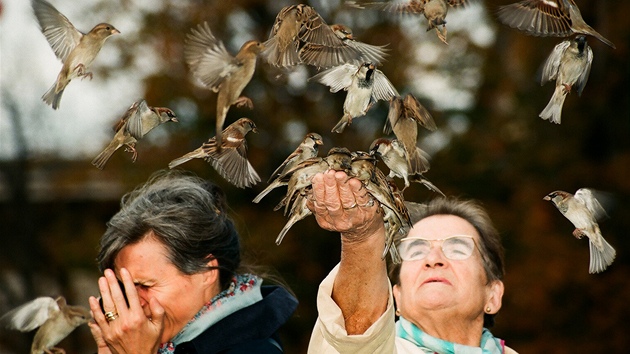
[435,258]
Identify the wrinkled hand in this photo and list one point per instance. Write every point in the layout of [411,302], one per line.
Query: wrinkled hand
[342,204]
[136,329]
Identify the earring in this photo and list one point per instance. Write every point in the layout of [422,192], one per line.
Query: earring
[398,312]
[488,309]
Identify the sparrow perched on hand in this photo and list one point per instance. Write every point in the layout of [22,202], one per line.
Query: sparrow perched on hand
[583,210]
[230,160]
[569,64]
[54,317]
[301,176]
[547,18]
[434,11]
[394,155]
[395,214]
[300,26]
[211,64]
[323,56]
[365,85]
[306,150]
[76,50]
[134,124]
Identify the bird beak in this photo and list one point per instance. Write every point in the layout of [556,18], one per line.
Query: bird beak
[115,31]
[546,198]
[174,119]
[319,142]
[255,130]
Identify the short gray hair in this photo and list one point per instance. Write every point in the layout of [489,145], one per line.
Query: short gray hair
[187,214]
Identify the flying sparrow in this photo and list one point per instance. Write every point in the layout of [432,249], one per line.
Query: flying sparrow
[55,319]
[405,114]
[569,64]
[230,160]
[583,210]
[365,85]
[75,49]
[547,18]
[132,126]
[306,150]
[323,56]
[394,155]
[211,64]
[297,26]
[434,11]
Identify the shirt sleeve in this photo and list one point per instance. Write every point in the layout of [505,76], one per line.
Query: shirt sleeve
[330,336]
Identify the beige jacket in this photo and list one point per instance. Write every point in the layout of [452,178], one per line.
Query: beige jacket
[330,337]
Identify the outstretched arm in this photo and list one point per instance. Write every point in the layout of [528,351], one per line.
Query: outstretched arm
[361,287]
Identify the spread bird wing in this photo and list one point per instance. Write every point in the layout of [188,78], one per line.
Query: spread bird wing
[31,315]
[552,64]
[338,77]
[537,17]
[60,33]
[383,88]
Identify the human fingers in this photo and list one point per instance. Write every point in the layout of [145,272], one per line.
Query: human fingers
[346,194]
[107,302]
[116,292]
[332,199]
[131,293]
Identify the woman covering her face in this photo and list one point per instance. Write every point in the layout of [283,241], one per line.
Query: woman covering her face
[173,279]
[446,290]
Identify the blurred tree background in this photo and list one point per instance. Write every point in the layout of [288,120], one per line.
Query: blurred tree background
[490,145]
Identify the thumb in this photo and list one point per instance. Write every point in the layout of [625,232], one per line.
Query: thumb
[157,313]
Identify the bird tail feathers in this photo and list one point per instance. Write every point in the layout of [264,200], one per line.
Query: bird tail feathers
[53,98]
[102,158]
[189,156]
[553,111]
[601,257]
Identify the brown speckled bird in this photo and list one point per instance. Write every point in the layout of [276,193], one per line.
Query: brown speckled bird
[228,75]
[137,121]
[307,149]
[300,26]
[230,160]
[54,317]
[434,11]
[75,49]
[553,18]
[583,210]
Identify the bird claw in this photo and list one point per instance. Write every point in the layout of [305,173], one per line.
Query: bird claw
[81,72]
[244,101]
[132,149]
[578,233]
[567,88]
[441,34]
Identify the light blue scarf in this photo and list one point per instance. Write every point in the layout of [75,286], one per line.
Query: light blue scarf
[242,292]
[429,344]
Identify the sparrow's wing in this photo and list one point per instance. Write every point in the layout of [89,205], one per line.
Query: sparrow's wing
[382,89]
[537,17]
[138,121]
[62,36]
[412,7]
[415,110]
[322,56]
[31,315]
[370,53]
[550,68]
[586,197]
[457,3]
[125,117]
[281,168]
[394,114]
[315,30]
[581,81]
[338,78]
[207,57]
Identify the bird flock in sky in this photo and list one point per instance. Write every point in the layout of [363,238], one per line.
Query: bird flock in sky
[300,36]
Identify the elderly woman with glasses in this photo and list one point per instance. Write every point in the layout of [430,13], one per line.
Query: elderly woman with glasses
[446,290]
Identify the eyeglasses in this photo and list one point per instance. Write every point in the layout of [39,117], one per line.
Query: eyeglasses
[456,247]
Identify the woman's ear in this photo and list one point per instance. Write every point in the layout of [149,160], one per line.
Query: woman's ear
[212,275]
[396,293]
[495,296]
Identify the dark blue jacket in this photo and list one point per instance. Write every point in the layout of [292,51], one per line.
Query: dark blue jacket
[253,329]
